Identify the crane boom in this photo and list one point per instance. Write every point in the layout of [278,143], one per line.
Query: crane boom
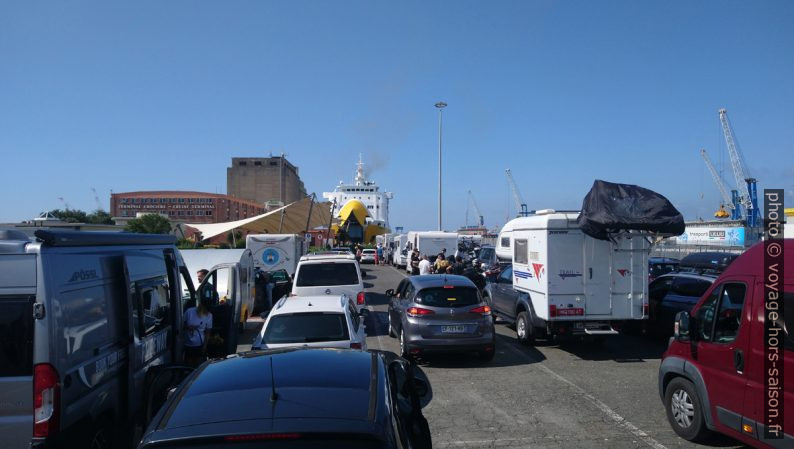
[521,206]
[473,202]
[736,161]
[726,198]
[96,198]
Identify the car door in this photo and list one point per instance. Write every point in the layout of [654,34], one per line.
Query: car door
[359,333]
[657,290]
[394,302]
[504,300]
[722,340]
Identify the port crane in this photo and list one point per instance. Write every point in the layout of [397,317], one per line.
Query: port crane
[98,203]
[731,201]
[745,184]
[521,205]
[473,204]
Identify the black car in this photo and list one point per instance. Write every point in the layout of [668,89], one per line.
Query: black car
[672,293]
[658,266]
[296,398]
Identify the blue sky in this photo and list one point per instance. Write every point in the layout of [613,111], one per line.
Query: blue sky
[158,95]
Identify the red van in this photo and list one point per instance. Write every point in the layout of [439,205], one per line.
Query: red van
[718,374]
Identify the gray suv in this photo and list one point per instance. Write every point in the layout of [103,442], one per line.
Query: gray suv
[440,313]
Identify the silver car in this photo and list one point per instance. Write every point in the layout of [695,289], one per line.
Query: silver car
[440,313]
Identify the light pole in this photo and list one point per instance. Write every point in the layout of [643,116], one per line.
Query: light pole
[440,105]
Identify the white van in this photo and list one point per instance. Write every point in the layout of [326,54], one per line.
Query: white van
[577,284]
[274,252]
[330,274]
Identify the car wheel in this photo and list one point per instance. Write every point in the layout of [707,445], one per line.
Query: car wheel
[684,411]
[524,331]
[392,334]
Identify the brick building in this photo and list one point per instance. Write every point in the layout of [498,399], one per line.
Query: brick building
[184,206]
[264,180]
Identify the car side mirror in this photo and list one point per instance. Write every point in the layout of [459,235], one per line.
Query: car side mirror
[421,384]
[390,292]
[681,326]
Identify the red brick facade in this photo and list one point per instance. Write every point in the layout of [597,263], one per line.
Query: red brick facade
[183,206]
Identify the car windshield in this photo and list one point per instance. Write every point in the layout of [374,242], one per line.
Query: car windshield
[323,274]
[306,328]
[448,297]
[369,251]
[486,254]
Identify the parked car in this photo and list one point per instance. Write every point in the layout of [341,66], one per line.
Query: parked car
[320,321]
[84,317]
[440,313]
[329,398]
[658,266]
[720,370]
[330,274]
[709,261]
[672,293]
[368,255]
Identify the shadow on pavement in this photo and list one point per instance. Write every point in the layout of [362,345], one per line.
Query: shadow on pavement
[620,348]
[504,357]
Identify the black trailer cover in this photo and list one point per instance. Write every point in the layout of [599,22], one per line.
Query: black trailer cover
[611,207]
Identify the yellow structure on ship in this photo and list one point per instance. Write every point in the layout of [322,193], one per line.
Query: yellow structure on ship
[361,208]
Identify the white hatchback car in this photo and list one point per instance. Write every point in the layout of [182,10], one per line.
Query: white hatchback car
[314,321]
[329,274]
[368,255]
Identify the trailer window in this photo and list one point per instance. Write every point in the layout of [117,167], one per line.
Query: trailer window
[16,336]
[505,242]
[521,251]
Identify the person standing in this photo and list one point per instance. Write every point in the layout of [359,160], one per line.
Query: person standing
[424,265]
[198,323]
[379,254]
[414,262]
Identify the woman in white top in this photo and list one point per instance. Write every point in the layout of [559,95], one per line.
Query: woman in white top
[198,323]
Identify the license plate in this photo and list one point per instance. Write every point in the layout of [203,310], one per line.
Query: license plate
[453,329]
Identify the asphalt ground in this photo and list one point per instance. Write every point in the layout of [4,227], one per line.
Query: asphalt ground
[570,395]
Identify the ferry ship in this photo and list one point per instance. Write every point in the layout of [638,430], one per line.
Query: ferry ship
[361,207]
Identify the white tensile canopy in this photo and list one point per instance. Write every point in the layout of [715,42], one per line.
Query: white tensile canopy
[290,219]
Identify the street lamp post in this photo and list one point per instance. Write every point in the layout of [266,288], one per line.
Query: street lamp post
[440,105]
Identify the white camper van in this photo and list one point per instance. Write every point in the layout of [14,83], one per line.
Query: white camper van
[430,243]
[274,252]
[400,252]
[577,284]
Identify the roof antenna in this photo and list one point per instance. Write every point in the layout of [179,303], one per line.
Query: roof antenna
[273,394]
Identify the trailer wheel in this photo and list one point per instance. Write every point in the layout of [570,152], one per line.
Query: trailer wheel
[524,331]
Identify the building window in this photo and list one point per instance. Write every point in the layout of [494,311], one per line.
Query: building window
[209,212]
[181,212]
[173,200]
[258,163]
[190,200]
[273,163]
[124,213]
[242,163]
[181,200]
[163,200]
[190,212]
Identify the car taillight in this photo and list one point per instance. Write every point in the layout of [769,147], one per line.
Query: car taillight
[482,310]
[418,311]
[355,345]
[552,311]
[46,400]
[645,309]
[263,437]
[360,298]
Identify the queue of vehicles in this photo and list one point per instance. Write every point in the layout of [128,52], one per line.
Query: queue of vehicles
[138,287]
